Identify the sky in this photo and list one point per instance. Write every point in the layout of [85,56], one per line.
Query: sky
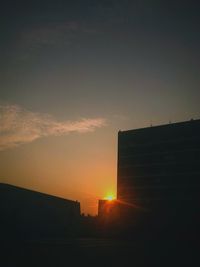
[74,73]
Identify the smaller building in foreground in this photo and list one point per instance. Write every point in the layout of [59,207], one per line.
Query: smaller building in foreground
[26,214]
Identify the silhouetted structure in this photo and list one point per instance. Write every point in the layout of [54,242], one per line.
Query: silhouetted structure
[159,173]
[27,214]
[106,208]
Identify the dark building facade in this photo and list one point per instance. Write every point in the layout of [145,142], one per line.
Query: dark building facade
[26,214]
[159,170]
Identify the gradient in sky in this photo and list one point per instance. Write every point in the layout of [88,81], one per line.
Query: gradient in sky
[73,73]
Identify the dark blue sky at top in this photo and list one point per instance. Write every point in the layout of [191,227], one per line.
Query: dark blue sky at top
[93,51]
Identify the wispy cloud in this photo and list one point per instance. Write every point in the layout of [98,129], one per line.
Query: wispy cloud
[19,126]
[54,34]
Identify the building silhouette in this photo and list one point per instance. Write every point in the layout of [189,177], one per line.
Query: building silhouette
[26,214]
[159,173]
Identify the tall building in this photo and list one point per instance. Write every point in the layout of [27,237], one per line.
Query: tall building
[159,169]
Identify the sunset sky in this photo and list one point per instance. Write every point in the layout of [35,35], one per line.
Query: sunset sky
[74,73]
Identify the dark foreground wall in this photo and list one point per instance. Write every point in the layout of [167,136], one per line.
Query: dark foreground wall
[159,174]
[27,214]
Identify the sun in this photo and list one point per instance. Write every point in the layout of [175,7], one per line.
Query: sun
[109,197]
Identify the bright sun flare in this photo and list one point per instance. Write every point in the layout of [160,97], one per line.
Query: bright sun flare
[109,197]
